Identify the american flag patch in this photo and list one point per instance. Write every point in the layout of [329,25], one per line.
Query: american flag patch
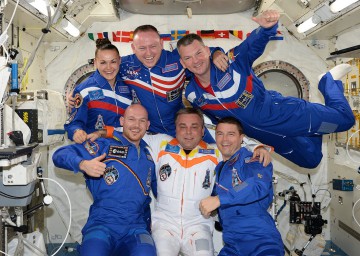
[170,67]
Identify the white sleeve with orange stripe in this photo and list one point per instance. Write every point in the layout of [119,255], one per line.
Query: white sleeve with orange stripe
[155,142]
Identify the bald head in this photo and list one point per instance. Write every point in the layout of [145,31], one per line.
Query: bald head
[135,122]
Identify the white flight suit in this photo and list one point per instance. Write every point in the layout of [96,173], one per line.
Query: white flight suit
[182,182]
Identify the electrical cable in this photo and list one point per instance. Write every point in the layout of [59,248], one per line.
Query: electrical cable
[70,216]
[15,197]
[353,212]
[4,34]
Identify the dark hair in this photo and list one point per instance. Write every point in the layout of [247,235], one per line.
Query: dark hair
[195,111]
[231,120]
[104,44]
[145,28]
[189,39]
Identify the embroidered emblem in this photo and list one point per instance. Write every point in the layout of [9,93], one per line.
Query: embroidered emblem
[78,100]
[132,73]
[148,156]
[206,151]
[135,98]
[259,176]
[172,149]
[71,117]
[118,151]
[224,81]
[99,123]
[92,147]
[244,99]
[123,89]
[164,172]
[111,175]
[206,183]
[174,94]
[96,95]
[235,180]
[170,67]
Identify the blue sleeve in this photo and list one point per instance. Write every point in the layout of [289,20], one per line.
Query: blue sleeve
[153,183]
[78,118]
[256,185]
[69,157]
[254,45]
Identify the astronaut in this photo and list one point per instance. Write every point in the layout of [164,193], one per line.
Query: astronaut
[293,126]
[185,174]
[119,173]
[101,99]
[243,193]
[156,78]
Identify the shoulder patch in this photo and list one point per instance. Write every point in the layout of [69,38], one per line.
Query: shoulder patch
[78,100]
[92,147]
[96,95]
[172,149]
[164,172]
[118,151]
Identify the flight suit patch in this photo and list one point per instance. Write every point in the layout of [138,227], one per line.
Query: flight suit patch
[170,67]
[164,172]
[96,95]
[173,95]
[111,175]
[224,81]
[78,100]
[206,151]
[235,180]
[92,147]
[206,183]
[172,149]
[244,99]
[148,179]
[123,89]
[133,73]
[99,125]
[118,151]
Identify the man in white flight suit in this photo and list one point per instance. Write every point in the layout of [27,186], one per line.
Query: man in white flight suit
[185,175]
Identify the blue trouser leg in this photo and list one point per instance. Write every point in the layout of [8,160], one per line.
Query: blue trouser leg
[96,241]
[137,243]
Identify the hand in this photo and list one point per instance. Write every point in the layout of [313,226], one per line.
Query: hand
[267,19]
[95,135]
[220,60]
[93,167]
[263,154]
[207,205]
[79,136]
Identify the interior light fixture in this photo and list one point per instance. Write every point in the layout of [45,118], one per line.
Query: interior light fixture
[189,12]
[70,28]
[308,24]
[338,5]
[41,6]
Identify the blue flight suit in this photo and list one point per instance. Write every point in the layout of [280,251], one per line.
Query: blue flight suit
[245,191]
[116,224]
[97,105]
[159,89]
[293,126]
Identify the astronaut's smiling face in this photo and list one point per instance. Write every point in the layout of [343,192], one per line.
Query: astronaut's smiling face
[135,123]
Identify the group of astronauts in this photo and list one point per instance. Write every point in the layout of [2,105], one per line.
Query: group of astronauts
[189,177]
